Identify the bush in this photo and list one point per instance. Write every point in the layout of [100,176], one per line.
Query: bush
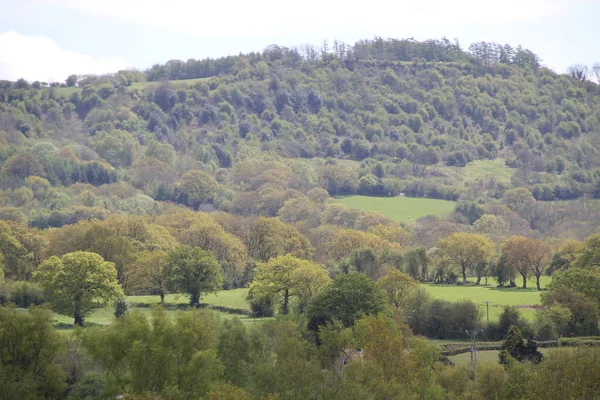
[263,307]
[24,294]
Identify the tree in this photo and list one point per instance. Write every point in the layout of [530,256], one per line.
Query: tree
[514,347]
[287,276]
[588,254]
[527,256]
[346,299]
[466,250]
[77,282]
[29,346]
[196,187]
[229,250]
[515,198]
[146,275]
[566,255]
[398,286]
[578,71]
[579,280]
[596,71]
[169,357]
[269,237]
[193,271]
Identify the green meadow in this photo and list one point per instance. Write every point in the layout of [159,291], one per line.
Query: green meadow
[399,209]
[526,299]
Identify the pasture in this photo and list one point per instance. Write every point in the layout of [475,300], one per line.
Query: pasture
[526,299]
[482,170]
[400,209]
[491,356]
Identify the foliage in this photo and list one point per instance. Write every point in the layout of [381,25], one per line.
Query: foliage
[287,277]
[77,282]
[397,285]
[193,271]
[346,299]
[29,348]
[514,347]
[467,251]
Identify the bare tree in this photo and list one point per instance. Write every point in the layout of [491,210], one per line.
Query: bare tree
[596,71]
[578,71]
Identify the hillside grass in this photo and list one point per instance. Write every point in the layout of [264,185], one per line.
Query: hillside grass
[399,209]
[482,170]
[68,91]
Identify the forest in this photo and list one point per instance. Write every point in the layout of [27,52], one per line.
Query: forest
[124,191]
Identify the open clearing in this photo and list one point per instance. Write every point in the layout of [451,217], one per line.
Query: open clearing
[399,209]
[482,170]
[526,299]
[491,356]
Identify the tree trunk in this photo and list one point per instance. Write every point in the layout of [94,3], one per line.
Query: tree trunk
[464,274]
[77,314]
[286,301]
[537,282]
[478,280]
[78,318]
[194,299]
[524,281]
[162,298]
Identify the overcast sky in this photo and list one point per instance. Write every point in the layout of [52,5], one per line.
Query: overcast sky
[49,39]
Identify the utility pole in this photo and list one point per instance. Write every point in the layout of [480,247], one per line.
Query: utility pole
[474,350]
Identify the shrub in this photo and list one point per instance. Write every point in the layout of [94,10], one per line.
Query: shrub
[25,294]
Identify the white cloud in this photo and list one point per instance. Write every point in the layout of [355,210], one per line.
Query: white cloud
[40,58]
[261,17]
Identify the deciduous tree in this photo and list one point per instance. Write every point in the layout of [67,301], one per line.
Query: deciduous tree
[193,271]
[77,282]
[468,251]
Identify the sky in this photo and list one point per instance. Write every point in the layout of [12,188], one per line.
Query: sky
[48,40]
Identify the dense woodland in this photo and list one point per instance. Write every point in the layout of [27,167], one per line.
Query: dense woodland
[206,175]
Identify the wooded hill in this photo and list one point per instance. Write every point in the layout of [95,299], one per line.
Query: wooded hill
[246,133]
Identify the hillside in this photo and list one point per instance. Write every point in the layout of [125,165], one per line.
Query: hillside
[379,118]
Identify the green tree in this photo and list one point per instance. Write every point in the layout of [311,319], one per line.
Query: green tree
[196,187]
[584,281]
[173,357]
[514,347]
[193,271]
[77,282]
[346,299]
[467,251]
[147,276]
[29,347]
[398,286]
[589,253]
[285,277]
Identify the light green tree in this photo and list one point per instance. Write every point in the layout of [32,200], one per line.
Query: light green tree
[77,282]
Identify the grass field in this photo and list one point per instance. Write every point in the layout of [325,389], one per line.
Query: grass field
[399,209]
[526,299]
[483,170]
[236,299]
[492,355]
[68,91]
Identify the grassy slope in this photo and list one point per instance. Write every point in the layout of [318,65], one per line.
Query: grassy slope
[400,209]
[68,91]
[482,170]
